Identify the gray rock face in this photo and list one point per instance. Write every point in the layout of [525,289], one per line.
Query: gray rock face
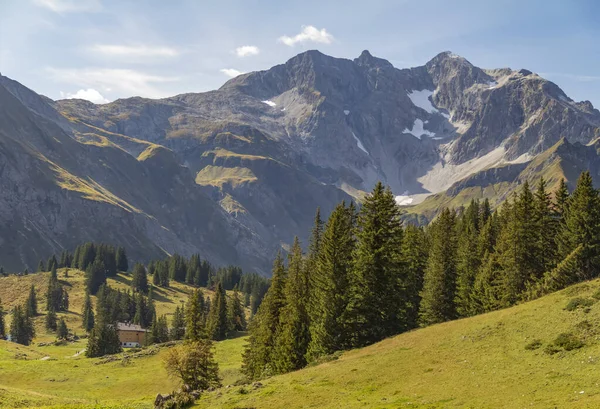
[235,173]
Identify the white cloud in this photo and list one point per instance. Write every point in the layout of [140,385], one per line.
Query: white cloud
[89,94]
[247,50]
[68,6]
[308,33]
[134,50]
[125,81]
[231,72]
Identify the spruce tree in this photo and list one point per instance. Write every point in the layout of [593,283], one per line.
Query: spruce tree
[139,280]
[2,323]
[439,283]
[258,352]
[293,335]
[330,284]
[159,332]
[62,332]
[121,260]
[87,313]
[545,225]
[103,338]
[377,301]
[31,305]
[582,226]
[51,320]
[95,275]
[195,316]
[415,251]
[467,259]
[314,246]
[41,266]
[56,296]
[52,263]
[177,325]
[22,330]
[217,319]
[236,316]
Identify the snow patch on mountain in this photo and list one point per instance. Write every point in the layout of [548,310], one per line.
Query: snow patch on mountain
[346,112]
[359,143]
[418,130]
[403,200]
[269,103]
[421,99]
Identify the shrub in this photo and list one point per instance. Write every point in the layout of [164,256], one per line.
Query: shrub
[551,349]
[533,345]
[578,302]
[568,341]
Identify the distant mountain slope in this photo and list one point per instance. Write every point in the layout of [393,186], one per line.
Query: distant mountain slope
[237,172]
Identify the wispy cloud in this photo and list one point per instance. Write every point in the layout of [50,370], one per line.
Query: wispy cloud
[308,33]
[89,94]
[231,72]
[70,6]
[137,51]
[247,50]
[125,81]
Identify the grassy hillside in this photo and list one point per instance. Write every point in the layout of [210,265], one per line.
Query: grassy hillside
[505,359]
[502,359]
[53,376]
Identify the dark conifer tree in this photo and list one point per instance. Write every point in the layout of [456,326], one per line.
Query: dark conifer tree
[468,260]
[139,280]
[62,332]
[217,319]
[178,325]
[377,301]
[330,284]
[22,330]
[2,322]
[439,283]
[87,314]
[546,227]
[31,305]
[236,316]
[195,317]
[51,320]
[52,263]
[41,266]
[258,352]
[121,259]
[415,251]
[95,276]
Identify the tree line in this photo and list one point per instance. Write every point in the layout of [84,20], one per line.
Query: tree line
[365,276]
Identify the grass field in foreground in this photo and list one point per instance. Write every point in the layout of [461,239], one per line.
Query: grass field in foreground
[479,362]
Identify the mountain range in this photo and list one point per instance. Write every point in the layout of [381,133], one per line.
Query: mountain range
[235,173]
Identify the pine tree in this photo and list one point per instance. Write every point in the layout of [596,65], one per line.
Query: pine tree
[487,289]
[2,323]
[561,199]
[121,260]
[62,332]
[95,275]
[259,350]
[314,246]
[87,313]
[177,325]
[439,283]
[143,316]
[467,259]
[415,251]
[582,226]
[195,316]
[41,266]
[217,319]
[139,280]
[22,330]
[103,339]
[159,332]
[236,316]
[330,284]
[51,320]
[55,294]
[31,303]
[377,303]
[544,222]
[52,263]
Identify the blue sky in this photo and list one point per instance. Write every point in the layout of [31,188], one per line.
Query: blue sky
[103,49]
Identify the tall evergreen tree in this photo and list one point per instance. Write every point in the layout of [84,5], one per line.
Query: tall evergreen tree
[87,313]
[95,275]
[31,305]
[22,330]
[467,259]
[51,320]
[2,323]
[103,338]
[177,325]
[62,332]
[41,266]
[159,332]
[55,293]
[236,316]
[217,318]
[139,280]
[121,259]
[545,225]
[258,353]
[195,316]
[52,263]
[377,303]
[415,251]
[439,283]
[330,284]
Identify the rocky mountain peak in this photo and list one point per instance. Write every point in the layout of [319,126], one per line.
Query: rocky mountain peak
[367,60]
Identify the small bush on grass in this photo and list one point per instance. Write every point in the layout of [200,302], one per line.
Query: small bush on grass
[533,345]
[577,302]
